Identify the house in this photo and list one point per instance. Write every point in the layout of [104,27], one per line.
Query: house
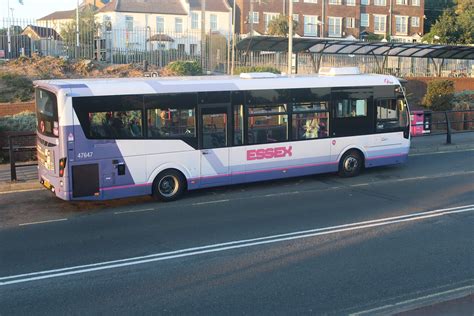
[44,40]
[136,24]
[58,19]
[400,20]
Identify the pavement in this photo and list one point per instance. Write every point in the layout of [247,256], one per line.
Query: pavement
[27,176]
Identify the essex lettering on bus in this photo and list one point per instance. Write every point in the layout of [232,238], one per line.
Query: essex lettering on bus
[269,153]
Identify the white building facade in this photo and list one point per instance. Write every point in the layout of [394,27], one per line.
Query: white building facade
[163,24]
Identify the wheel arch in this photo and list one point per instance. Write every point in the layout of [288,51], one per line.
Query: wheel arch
[363,153]
[170,166]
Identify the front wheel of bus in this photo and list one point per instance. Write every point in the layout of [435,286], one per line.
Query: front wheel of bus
[350,164]
[168,186]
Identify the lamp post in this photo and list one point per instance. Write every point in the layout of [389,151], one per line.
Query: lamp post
[8,30]
[77,30]
[203,33]
[233,40]
[290,37]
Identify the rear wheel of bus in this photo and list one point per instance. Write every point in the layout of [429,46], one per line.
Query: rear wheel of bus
[169,185]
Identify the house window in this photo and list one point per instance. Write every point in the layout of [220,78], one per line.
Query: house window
[129,23]
[380,2]
[309,1]
[178,25]
[335,2]
[402,2]
[350,23]
[192,49]
[415,21]
[334,27]
[415,3]
[213,22]
[255,19]
[194,21]
[379,23]
[365,2]
[181,48]
[107,23]
[401,24]
[268,17]
[310,25]
[351,2]
[296,17]
[160,24]
[364,19]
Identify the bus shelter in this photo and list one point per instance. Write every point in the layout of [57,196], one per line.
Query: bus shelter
[317,47]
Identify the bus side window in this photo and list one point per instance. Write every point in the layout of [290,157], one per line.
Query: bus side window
[351,108]
[165,122]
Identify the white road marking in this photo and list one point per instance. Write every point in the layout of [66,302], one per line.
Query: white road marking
[230,245]
[19,191]
[440,152]
[281,193]
[43,222]
[211,202]
[134,211]
[418,302]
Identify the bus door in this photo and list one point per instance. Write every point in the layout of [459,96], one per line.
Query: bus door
[353,113]
[213,143]
[352,119]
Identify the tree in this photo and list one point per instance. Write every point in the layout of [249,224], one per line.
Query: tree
[455,25]
[87,28]
[14,30]
[279,26]
[433,10]
[439,95]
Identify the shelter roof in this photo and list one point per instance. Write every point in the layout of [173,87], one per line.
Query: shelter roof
[348,47]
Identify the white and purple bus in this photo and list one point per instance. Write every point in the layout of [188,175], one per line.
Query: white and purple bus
[113,138]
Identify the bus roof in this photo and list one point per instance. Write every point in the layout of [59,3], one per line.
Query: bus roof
[130,86]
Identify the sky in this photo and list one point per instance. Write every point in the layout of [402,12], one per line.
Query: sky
[34,9]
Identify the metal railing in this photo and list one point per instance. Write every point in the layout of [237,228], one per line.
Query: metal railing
[447,122]
[112,44]
[13,149]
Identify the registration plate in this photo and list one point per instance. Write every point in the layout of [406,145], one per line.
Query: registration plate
[47,184]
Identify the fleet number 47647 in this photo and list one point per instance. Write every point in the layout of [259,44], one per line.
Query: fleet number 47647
[85,155]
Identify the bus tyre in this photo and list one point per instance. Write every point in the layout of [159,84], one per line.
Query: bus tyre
[168,186]
[350,164]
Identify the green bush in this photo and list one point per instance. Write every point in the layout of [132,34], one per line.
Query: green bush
[24,121]
[271,69]
[14,88]
[439,95]
[184,68]
[464,100]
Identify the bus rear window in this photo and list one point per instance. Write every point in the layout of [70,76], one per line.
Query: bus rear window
[47,113]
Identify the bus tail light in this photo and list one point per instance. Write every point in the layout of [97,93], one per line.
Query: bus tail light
[62,166]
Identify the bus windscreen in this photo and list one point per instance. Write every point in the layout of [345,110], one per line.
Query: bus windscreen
[47,113]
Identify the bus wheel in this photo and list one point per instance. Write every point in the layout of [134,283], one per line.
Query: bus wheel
[350,164]
[168,186]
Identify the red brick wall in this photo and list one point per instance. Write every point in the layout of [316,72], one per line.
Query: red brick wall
[15,108]
[416,87]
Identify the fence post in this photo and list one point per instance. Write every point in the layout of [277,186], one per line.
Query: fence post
[448,128]
[12,159]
